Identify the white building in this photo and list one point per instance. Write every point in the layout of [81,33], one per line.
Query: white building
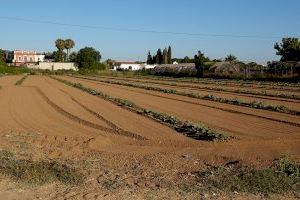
[27,57]
[131,66]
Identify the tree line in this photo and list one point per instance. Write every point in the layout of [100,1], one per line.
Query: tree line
[87,57]
[161,57]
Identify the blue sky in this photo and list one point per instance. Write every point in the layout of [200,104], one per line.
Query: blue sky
[270,18]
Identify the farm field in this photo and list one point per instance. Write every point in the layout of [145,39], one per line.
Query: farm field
[229,90]
[224,91]
[125,153]
[240,121]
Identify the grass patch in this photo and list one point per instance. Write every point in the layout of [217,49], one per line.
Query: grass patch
[13,70]
[246,180]
[37,173]
[254,104]
[196,131]
[19,82]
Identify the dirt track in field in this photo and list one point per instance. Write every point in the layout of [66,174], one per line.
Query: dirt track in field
[45,119]
[292,104]
[239,125]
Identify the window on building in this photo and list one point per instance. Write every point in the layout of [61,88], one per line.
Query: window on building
[25,58]
[31,60]
[20,58]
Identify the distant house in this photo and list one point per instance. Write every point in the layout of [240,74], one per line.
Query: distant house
[26,57]
[131,66]
[127,66]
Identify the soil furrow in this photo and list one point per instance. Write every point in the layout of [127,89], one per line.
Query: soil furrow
[208,88]
[213,82]
[195,103]
[82,121]
[276,100]
[114,127]
[237,124]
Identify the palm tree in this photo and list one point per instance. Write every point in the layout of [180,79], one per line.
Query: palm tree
[68,44]
[60,45]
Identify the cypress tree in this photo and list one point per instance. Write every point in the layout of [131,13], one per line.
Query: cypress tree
[159,57]
[165,56]
[169,55]
[154,59]
[149,58]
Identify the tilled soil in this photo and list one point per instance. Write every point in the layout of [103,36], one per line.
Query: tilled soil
[238,121]
[292,104]
[122,154]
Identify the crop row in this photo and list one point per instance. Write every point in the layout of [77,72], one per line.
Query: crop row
[197,131]
[224,82]
[19,82]
[239,91]
[238,102]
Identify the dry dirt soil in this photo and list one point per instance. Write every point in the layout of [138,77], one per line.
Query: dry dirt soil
[122,154]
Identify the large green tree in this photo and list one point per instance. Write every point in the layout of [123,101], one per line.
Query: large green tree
[288,49]
[68,44]
[88,57]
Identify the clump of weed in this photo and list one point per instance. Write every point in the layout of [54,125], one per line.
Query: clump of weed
[245,180]
[286,165]
[37,172]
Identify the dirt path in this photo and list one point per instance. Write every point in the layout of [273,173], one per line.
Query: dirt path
[236,124]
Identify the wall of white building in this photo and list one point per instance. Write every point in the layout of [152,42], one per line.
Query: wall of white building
[54,66]
[39,58]
[132,67]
